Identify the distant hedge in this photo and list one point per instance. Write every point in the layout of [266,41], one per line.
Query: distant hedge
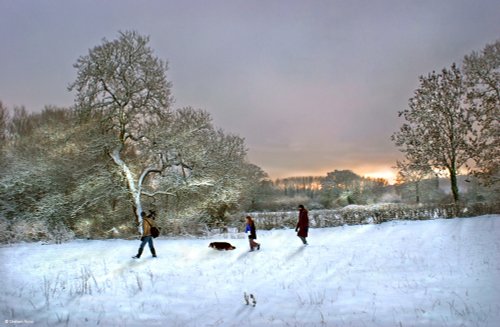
[349,215]
[13,232]
[369,214]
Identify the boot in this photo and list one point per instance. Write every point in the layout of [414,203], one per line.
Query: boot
[138,255]
[153,252]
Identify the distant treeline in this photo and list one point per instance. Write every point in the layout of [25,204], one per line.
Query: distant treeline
[344,187]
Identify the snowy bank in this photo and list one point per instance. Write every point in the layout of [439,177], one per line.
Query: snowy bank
[441,272]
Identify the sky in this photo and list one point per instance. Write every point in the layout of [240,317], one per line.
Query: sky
[312,86]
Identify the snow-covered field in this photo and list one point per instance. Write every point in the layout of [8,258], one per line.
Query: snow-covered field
[401,273]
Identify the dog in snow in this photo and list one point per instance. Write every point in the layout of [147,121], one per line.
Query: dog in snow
[221,246]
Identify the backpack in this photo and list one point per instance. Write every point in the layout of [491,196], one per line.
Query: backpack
[155,231]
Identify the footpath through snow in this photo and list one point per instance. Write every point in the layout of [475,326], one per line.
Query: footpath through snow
[442,272]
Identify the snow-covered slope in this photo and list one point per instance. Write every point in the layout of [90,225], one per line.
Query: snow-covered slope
[401,273]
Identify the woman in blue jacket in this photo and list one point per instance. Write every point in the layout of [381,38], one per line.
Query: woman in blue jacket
[252,235]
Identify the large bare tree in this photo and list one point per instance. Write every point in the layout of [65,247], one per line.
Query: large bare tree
[482,76]
[453,120]
[122,88]
[438,126]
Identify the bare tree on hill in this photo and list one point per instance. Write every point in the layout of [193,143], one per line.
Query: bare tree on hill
[122,90]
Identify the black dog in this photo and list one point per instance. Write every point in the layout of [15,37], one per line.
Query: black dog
[221,246]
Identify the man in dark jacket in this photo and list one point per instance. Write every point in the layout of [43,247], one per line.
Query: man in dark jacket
[147,223]
[303,224]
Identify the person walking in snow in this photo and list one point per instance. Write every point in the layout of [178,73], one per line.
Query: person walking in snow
[303,224]
[252,235]
[147,223]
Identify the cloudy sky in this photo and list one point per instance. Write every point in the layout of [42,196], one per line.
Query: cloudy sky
[312,85]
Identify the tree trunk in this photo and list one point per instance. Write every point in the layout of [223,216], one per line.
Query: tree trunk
[417,191]
[454,185]
[134,188]
[134,191]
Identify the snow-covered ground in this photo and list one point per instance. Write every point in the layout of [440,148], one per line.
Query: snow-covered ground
[442,272]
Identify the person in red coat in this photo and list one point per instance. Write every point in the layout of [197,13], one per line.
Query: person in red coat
[303,224]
